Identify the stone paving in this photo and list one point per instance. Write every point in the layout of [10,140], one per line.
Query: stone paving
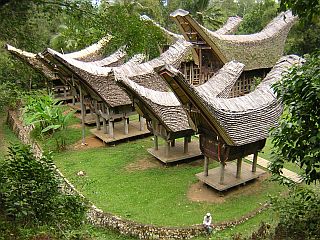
[285,172]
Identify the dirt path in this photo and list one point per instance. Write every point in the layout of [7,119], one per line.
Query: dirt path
[200,192]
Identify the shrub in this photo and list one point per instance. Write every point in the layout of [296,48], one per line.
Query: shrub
[30,191]
[299,214]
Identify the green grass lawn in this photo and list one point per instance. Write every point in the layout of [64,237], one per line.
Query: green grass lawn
[155,195]
[266,154]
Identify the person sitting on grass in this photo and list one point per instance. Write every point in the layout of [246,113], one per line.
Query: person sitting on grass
[207,219]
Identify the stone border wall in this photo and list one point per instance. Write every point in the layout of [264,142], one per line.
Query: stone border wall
[106,220]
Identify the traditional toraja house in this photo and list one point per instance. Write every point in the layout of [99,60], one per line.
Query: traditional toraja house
[61,89]
[167,117]
[102,82]
[230,128]
[259,51]
[109,103]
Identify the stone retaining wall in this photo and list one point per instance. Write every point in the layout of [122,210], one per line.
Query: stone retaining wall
[106,220]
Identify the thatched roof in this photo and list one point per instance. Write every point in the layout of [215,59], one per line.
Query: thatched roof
[91,53]
[33,61]
[259,50]
[166,108]
[40,64]
[102,82]
[163,106]
[239,120]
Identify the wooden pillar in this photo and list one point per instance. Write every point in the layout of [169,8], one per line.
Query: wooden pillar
[206,166]
[222,168]
[142,122]
[74,92]
[239,162]
[155,141]
[173,143]
[167,148]
[97,115]
[65,92]
[254,162]
[111,126]
[82,115]
[185,144]
[126,125]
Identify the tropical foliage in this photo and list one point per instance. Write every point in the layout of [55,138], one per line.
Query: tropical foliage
[46,112]
[297,139]
[30,191]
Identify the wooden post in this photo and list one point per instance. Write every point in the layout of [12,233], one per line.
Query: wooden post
[167,148]
[111,127]
[254,162]
[185,144]
[142,123]
[206,166]
[97,115]
[239,161]
[173,143]
[155,141]
[222,168]
[82,115]
[126,125]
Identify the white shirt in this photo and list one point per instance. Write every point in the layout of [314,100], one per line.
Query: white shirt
[207,220]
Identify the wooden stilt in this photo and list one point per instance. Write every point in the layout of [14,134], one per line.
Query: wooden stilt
[185,144]
[239,162]
[222,168]
[206,166]
[155,141]
[126,126]
[254,162]
[104,124]
[97,115]
[111,126]
[142,122]
[168,148]
[82,115]
[173,143]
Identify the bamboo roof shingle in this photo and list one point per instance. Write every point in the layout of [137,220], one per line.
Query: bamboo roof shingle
[256,51]
[241,120]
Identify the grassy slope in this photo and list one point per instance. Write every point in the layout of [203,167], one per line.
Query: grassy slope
[8,231]
[156,196]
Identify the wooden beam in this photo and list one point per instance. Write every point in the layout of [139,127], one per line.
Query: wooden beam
[222,168]
[239,162]
[254,162]
[83,109]
[185,144]
[155,141]
[97,115]
[142,122]
[173,143]
[111,128]
[168,148]
[126,125]
[206,166]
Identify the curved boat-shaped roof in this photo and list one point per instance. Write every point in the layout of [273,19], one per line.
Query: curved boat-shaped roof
[92,52]
[166,108]
[241,120]
[33,61]
[259,50]
[102,82]
[37,62]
